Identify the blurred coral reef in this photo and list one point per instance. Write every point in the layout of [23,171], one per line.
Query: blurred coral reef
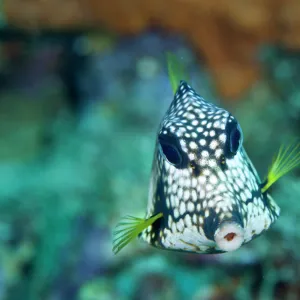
[226,34]
[79,112]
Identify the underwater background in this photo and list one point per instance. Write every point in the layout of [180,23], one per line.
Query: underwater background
[83,87]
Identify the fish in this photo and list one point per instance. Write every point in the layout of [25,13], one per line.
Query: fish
[205,195]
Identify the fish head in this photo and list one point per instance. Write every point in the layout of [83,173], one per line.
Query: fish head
[209,186]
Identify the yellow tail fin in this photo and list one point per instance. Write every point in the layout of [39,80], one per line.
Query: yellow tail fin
[288,158]
[128,229]
[176,71]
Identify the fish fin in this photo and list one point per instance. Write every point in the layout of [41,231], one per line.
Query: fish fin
[129,228]
[176,71]
[287,158]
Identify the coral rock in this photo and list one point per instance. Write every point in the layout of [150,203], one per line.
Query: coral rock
[226,34]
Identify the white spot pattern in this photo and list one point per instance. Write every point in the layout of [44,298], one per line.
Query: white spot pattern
[208,184]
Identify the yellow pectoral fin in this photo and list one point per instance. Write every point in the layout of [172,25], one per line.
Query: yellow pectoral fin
[176,71]
[128,229]
[288,158]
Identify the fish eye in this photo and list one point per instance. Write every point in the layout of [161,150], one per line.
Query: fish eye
[170,150]
[234,138]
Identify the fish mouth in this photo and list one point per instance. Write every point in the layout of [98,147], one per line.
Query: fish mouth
[229,236]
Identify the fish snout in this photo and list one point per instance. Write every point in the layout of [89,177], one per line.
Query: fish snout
[229,236]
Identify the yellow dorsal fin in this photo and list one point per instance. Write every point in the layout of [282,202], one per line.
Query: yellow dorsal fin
[176,71]
[287,158]
[129,228]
